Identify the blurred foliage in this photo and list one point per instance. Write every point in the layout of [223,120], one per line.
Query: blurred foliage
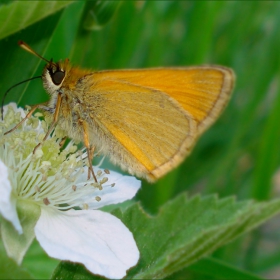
[240,154]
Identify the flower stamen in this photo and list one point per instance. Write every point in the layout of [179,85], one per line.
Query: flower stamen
[46,201]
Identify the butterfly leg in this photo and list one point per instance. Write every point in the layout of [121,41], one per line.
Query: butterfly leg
[62,142]
[25,118]
[90,148]
[55,118]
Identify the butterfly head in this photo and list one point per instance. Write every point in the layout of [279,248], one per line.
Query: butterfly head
[54,75]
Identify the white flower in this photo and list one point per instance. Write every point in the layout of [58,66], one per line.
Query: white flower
[47,196]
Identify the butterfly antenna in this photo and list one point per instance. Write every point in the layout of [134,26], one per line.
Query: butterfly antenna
[27,48]
[3,99]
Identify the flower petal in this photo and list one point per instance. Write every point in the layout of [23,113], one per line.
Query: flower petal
[124,188]
[7,201]
[96,239]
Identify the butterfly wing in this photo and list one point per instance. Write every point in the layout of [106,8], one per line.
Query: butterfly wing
[147,121]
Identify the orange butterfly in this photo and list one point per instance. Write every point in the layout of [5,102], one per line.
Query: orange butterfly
[147,121]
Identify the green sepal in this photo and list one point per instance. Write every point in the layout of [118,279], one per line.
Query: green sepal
[17,244]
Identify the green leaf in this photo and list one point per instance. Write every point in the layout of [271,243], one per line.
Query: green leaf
[219,270]
[17,244]
[38,263]
[184,231]
[98,13]
[67,270]
[20,14]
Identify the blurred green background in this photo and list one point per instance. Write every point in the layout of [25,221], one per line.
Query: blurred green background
[239,155]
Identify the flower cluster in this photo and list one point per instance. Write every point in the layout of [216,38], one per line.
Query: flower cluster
[47,195]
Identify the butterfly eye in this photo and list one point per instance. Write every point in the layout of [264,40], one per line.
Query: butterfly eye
[57,77]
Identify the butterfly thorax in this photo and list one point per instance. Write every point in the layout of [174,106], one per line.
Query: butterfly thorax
[61,78]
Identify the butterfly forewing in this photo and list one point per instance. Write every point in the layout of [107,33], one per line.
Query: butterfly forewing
[153,116]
